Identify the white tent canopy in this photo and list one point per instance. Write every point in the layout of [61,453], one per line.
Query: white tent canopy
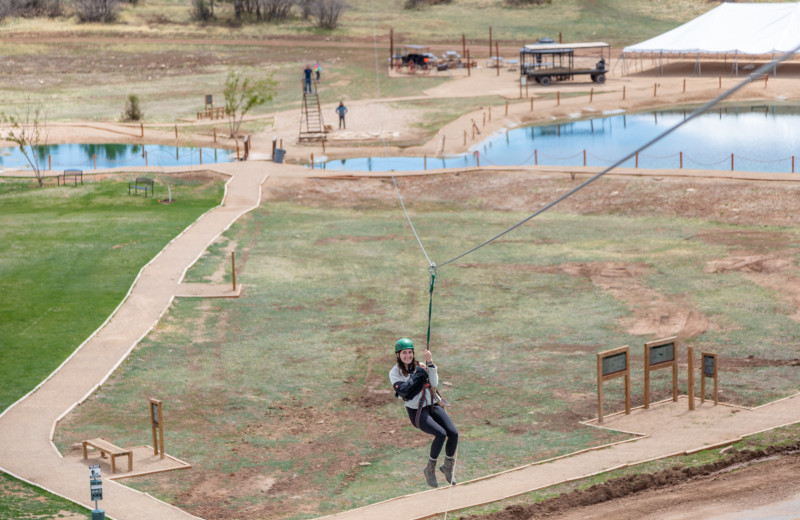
[757,29]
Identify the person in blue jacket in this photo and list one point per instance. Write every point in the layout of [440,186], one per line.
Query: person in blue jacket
[417,384]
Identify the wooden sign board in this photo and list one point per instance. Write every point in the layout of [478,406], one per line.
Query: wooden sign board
[612,364]
[209,100]
[709,368]
[660,354]
[157,423]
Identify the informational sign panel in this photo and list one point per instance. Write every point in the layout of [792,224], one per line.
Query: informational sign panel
[709,368]
[209,100]
[95,483]
[157,423]
[660,354]
[612,364]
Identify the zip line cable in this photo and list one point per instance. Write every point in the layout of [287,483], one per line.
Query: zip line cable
[764,69]
[383,138]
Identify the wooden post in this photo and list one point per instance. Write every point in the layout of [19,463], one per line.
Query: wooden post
[681,160]
[591,94]
[766,78]
[584,157]
[469,65]
[215,135]
[201,155]
[792,163]
[490,40]
[312,160]
[484,119]
[145,158]
[141,129]
[233,269]
[497,53]
[559,38]
[558,98]
[655,89]
[731,162]
[531,103]
[463,45]
[465,138]
[536,157]
[690,361]
[637,159]
[720,82]
[157,424]
[176,131]
[684,85]
[506,107]
[49,162]
[490,114]
[237,150]
[94,159]
[391,48]
[478,157]
[323,146]
[425,162]
[623,93]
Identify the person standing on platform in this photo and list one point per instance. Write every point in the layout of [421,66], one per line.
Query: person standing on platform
[341,110]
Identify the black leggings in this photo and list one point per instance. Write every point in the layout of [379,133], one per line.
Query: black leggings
[433,420]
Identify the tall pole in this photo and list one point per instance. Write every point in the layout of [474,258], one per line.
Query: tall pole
[497,55]
[490,41]
[463,45]
[391,47]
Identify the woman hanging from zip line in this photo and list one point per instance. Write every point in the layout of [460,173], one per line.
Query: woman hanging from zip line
[417,384]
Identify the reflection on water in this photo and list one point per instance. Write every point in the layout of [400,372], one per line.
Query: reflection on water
[91,156]
[762,138]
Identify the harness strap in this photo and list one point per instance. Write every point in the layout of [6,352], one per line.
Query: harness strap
[419,404]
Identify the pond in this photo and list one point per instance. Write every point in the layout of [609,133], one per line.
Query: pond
[757,138]
[99,156]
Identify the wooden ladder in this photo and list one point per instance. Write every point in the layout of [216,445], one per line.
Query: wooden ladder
[312,126]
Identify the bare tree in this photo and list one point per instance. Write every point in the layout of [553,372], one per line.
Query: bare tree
[202,10]
[243,94]
[327,12]
[96,10]
[275,10]
[29,133]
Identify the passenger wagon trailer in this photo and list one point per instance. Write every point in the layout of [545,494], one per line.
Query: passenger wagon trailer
[548,62]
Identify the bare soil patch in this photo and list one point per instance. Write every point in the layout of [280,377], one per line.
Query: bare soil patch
[741,480]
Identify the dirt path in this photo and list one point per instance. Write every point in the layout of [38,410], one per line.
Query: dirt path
[26,428]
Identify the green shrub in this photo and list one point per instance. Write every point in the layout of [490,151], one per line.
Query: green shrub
[133,110]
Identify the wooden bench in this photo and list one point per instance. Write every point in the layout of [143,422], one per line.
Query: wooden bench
[141,183]
[70,173]
[113,451]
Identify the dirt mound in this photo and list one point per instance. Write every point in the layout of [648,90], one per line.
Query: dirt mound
[632,484]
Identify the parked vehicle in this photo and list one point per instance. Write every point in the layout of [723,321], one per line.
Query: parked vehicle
[548,62]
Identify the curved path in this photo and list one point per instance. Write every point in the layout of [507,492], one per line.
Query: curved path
[26,428]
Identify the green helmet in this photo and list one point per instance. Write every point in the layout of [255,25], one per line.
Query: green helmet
[403,344]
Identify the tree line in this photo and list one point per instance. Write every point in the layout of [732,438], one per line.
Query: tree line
[324,14]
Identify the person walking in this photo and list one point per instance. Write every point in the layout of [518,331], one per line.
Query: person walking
[341,110]
[317,69]
[307,77]
[417,384]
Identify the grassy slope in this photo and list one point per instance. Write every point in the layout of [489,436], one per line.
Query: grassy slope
[71,254]
[310,340]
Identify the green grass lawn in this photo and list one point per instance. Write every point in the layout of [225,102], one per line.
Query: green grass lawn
[286,382]
[21,501]
[70,255]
